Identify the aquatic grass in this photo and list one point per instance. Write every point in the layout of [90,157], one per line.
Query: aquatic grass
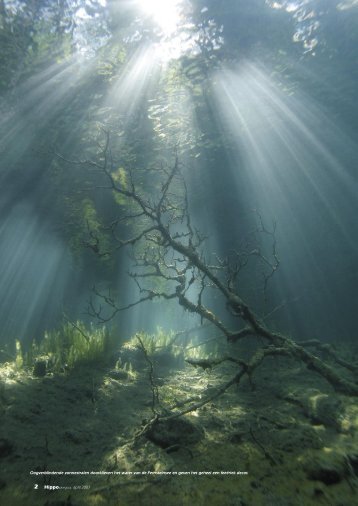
[71,345]
[177,344]
[19,360]
[161,340]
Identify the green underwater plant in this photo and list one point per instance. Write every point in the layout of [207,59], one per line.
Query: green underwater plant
[19,360]
[71,345]
[161,340]
[177,344]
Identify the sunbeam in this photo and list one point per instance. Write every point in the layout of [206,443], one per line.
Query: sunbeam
[166,13]
[282,141]
[296,167]
[44,95]
[32,263]
[134,81]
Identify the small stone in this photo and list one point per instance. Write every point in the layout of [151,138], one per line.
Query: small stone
[237,437]
[328,468]
[166,433]
[6,447]
[326,410]
[40,368]
[118,374]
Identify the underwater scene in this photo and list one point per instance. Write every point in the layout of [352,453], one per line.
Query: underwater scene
[178,252]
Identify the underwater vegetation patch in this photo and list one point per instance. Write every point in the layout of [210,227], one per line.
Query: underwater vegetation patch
[175,345]
[159,341]
[67,347]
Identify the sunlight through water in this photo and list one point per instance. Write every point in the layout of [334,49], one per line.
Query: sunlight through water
[282,140]
[170,16]
[32,262]
[294,163]
[166,13]
[134,81]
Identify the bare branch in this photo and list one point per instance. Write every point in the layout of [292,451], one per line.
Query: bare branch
[166,245]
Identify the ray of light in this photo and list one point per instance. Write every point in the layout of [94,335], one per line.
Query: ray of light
[293,163]
[134,81]
[286,143]
[35,269]
[43,97]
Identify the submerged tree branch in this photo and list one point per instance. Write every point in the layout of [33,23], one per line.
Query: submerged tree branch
[166,246]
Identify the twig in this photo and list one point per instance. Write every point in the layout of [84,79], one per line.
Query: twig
[77,328]
[153,386]
[260,445]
